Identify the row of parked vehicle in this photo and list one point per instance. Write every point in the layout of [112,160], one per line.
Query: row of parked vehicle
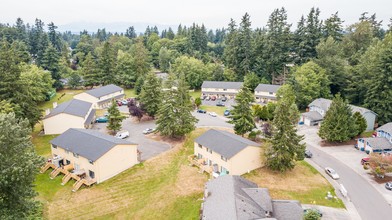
[213,114]
[213,98]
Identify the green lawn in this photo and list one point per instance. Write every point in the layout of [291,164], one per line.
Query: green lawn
[367,134]
[217,109]
[195,94]
[61,96]
[129,93]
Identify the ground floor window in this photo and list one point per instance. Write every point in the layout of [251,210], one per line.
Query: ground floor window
[91,174]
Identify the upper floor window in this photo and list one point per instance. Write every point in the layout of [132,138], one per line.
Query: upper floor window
[76,155]
[223,158]
[54,146]
[271,93]
[209,150]
[91,162]
[224,89]
[200,146]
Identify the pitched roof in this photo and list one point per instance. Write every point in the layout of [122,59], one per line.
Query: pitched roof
[221,85]
[386,128]
[224,143]
[87,143]
[313,115]
[379,143]
[234,197]
[104,90]
[73,107]
[267,88]
[326,103]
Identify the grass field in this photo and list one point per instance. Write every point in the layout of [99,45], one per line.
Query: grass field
[217,109]
[129,93]
[303,183]
[195,94]
[61,96]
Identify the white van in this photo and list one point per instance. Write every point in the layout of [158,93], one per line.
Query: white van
[122,134]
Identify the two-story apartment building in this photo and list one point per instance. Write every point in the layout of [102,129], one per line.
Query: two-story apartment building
[71,114]
[220,152]
[265,93]
[319,107]
[381,143]
[234,197]
[90,156]
[101,97]
[219,89]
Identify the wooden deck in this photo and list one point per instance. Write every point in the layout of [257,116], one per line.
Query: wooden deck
[200,163]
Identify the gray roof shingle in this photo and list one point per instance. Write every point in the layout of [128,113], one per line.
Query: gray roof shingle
[233,197]
[104,90]
[89,144]
[73,107]
[221,85]
[379,143]
[267,88]
[313,115]
[224,143]
[325,103]
[386,128]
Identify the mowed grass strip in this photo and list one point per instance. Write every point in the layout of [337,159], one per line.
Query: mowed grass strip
[217,109]
[165,187]
[303,183]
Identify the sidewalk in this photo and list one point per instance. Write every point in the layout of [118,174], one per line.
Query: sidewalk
[348,155]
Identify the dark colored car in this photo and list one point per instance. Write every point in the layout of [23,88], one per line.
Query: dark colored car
[224,99]
[388,185]
[227,112]
[308,154]
[365,160]
[315,210]
[201,111]
[220,104]
[101,119]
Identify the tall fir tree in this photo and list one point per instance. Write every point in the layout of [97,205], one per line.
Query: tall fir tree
[174,116]
[231,39]
[244,54]
[338,124]
[333,27]
[107,64]
[115,118]
[151,96]
[242,114]
[50,62]
[19,167]
[90,73]
[285,144]
[360,123]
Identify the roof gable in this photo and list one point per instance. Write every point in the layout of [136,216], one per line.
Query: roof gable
[324,104]
[87,143]
[387,128]
[267,88]
[224,143]
[221,85]
[104,90]
[73,107]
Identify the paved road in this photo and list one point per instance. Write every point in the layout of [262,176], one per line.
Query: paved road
[370,204]
[206,120]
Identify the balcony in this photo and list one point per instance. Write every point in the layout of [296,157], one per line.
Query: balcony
[201,163]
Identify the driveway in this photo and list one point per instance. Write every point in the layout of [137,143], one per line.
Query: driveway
[149,148]
[228,103]
[365,197]
[206,120]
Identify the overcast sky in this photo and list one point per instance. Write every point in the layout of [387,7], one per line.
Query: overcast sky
[172,12]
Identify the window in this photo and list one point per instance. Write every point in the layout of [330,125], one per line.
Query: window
[54,146]
[91,174]
[224,89]
[200,146]
[91,162]
[76,155]
[271,93]
[223,158]
[67,161]
[67,151]
[209,150]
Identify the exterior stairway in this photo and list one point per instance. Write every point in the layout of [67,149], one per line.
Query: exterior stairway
[79,183]
[47,166]
[55,172]
[66,178]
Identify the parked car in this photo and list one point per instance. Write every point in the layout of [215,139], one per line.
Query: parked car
[315,210]
[101,119]
[332,173]
[207,98]
[201,111]
[148,130]
[213,98]
[308,154]
[213,114]
[224,99]
[365,160]
[388,185]
[203,97]
[220,104]
[124,102]
[227,112]
[119,103]
[122,134]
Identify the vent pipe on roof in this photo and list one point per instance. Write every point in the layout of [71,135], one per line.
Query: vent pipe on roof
[54,104]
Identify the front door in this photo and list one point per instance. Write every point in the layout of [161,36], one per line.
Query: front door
[77,167]
[91,174]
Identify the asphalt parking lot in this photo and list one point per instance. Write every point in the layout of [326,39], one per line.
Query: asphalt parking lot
[149,148]
[228,103]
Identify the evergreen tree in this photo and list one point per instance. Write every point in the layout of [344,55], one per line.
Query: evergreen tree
[54,37]
[50,62]
[244,49]
[360,123]
[231,39]
[115,118]
[241,114]
[141,62]
[125,72]
[130,32]
[90,71]
[338,124]
[164,59]
[285,144]
[170,34]
[150,95]
[19,167]
[251,81]
[107,64]
[333,27]
[174,117]
[379,94]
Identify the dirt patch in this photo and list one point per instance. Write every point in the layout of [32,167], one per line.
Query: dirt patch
[334,144]
[381,180]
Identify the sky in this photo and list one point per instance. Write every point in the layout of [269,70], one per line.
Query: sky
[214,14]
